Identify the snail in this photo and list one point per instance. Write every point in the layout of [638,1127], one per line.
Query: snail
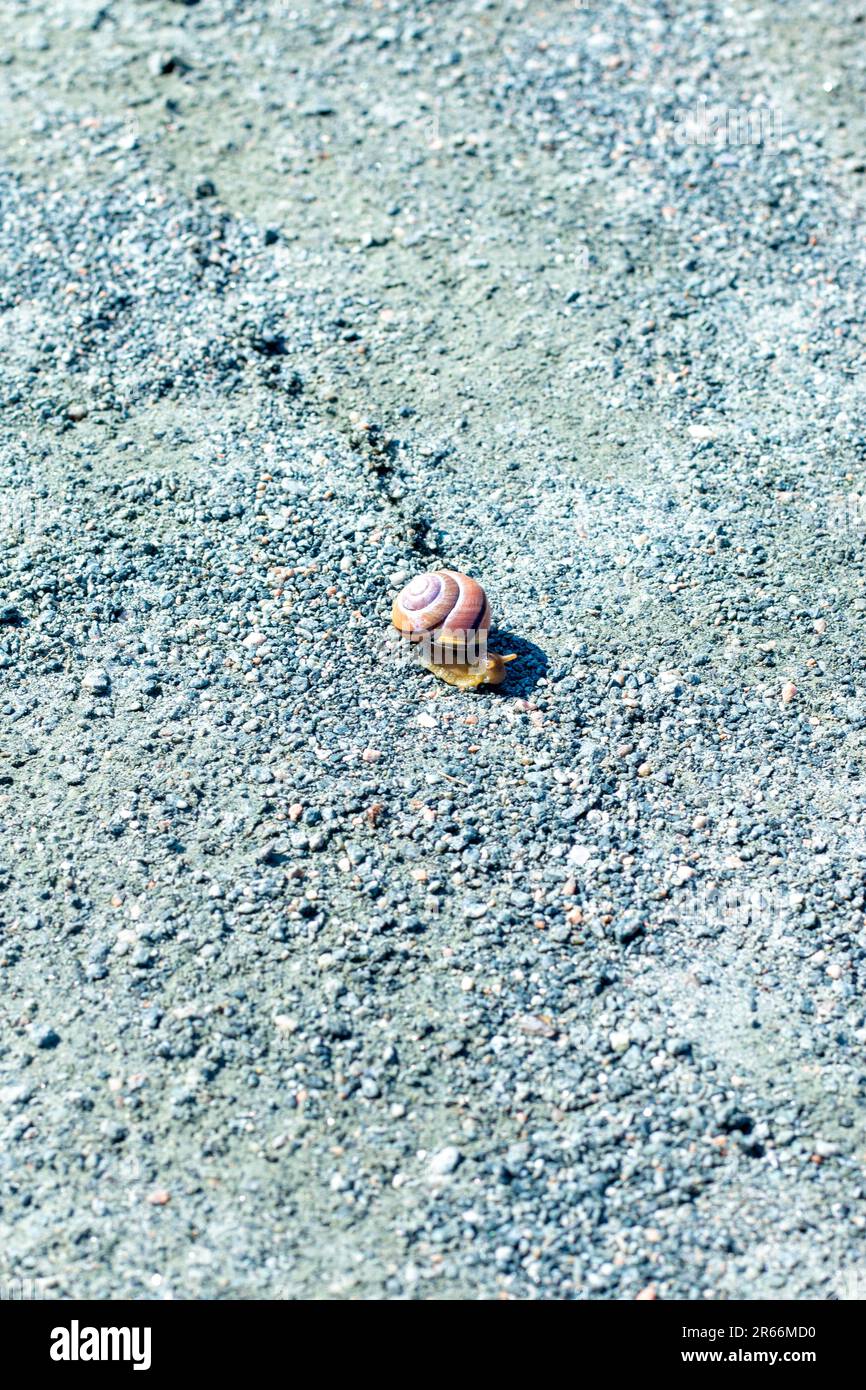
[447,616]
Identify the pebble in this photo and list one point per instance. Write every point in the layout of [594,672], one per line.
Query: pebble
[446,1161]
[96,681]
[474,911]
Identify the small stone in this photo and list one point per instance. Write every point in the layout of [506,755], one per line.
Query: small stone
[15,1095]
[161,64]
[536,1026]
[445,1161]
[619,1040]
[474,910]
[159,1197]
[96,681]
[43,1036]
[77,411]
[789,690]
[824,1149]
[516,1155]
[629,926]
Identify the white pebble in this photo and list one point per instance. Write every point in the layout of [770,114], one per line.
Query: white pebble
[445,1161]
[95,680]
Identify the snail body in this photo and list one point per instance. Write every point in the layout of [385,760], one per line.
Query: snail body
[468,676]
[447,616]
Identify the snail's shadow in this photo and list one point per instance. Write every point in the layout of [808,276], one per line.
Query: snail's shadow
[522,675]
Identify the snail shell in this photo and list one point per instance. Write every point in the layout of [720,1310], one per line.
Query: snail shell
[443,604]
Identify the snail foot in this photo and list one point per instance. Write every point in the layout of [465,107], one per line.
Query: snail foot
[490,671]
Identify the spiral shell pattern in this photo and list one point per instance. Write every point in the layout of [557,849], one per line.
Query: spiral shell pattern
[443,604]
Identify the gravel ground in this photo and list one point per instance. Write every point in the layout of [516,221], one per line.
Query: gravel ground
[320,978]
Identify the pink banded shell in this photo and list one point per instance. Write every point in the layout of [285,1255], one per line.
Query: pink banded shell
[443,603]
